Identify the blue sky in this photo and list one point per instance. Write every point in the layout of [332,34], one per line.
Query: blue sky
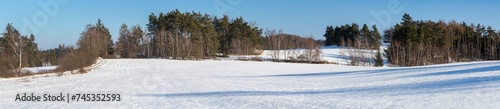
[66,19]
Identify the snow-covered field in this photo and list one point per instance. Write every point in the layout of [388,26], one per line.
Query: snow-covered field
[39,69]
[160,83]
[334,54]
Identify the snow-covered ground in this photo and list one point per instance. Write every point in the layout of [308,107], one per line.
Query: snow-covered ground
[334,54]
[160,83]
[39,69]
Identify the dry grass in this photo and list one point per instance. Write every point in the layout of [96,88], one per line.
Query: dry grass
[7,64]
[75,61]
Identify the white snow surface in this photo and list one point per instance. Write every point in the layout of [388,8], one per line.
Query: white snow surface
[334,54]
[39,69]
[161,83]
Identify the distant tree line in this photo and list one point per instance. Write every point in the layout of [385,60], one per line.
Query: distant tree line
[50,57]
[190,35]
[355,40]
[352,36]
[415,43]
[287,47]
[172,35]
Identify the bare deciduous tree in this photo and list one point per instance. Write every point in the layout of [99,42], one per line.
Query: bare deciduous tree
[272,41]
[15,45]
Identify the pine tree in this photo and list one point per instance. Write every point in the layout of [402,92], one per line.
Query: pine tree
[153,28]
[137,33]
[329,35]
[366,37]
[106,42]
[210,36]
[376,35]
[379,62]
[223,29]
[32,52]
[123,45]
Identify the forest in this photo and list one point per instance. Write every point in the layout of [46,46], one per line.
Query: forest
[422,42]
[418,42]
[351,35]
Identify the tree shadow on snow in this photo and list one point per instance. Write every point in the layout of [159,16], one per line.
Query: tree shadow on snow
[401,89]
[442,86]
[342,57]
[402,70]
[466,71]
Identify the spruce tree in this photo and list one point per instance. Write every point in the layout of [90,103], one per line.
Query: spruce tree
[377,37]
[379,62]
[329,35]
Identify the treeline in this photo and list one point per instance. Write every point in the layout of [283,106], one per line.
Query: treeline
[355,40]
[172,35]
[415,43]
[132,43]
[50,57]
[17,51]
[352,36]
[287,47]
[189,35]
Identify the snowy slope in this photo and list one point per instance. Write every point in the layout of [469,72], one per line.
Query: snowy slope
[159,83]
[38,69]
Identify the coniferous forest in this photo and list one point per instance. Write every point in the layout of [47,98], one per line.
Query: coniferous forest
[418,42]
[423,42]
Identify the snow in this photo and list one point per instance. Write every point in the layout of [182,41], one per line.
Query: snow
[334,54]
[39,69]
[161,83]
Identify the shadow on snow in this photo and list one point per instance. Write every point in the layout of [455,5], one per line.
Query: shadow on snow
[403,70]
[442,86]
[402,89]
